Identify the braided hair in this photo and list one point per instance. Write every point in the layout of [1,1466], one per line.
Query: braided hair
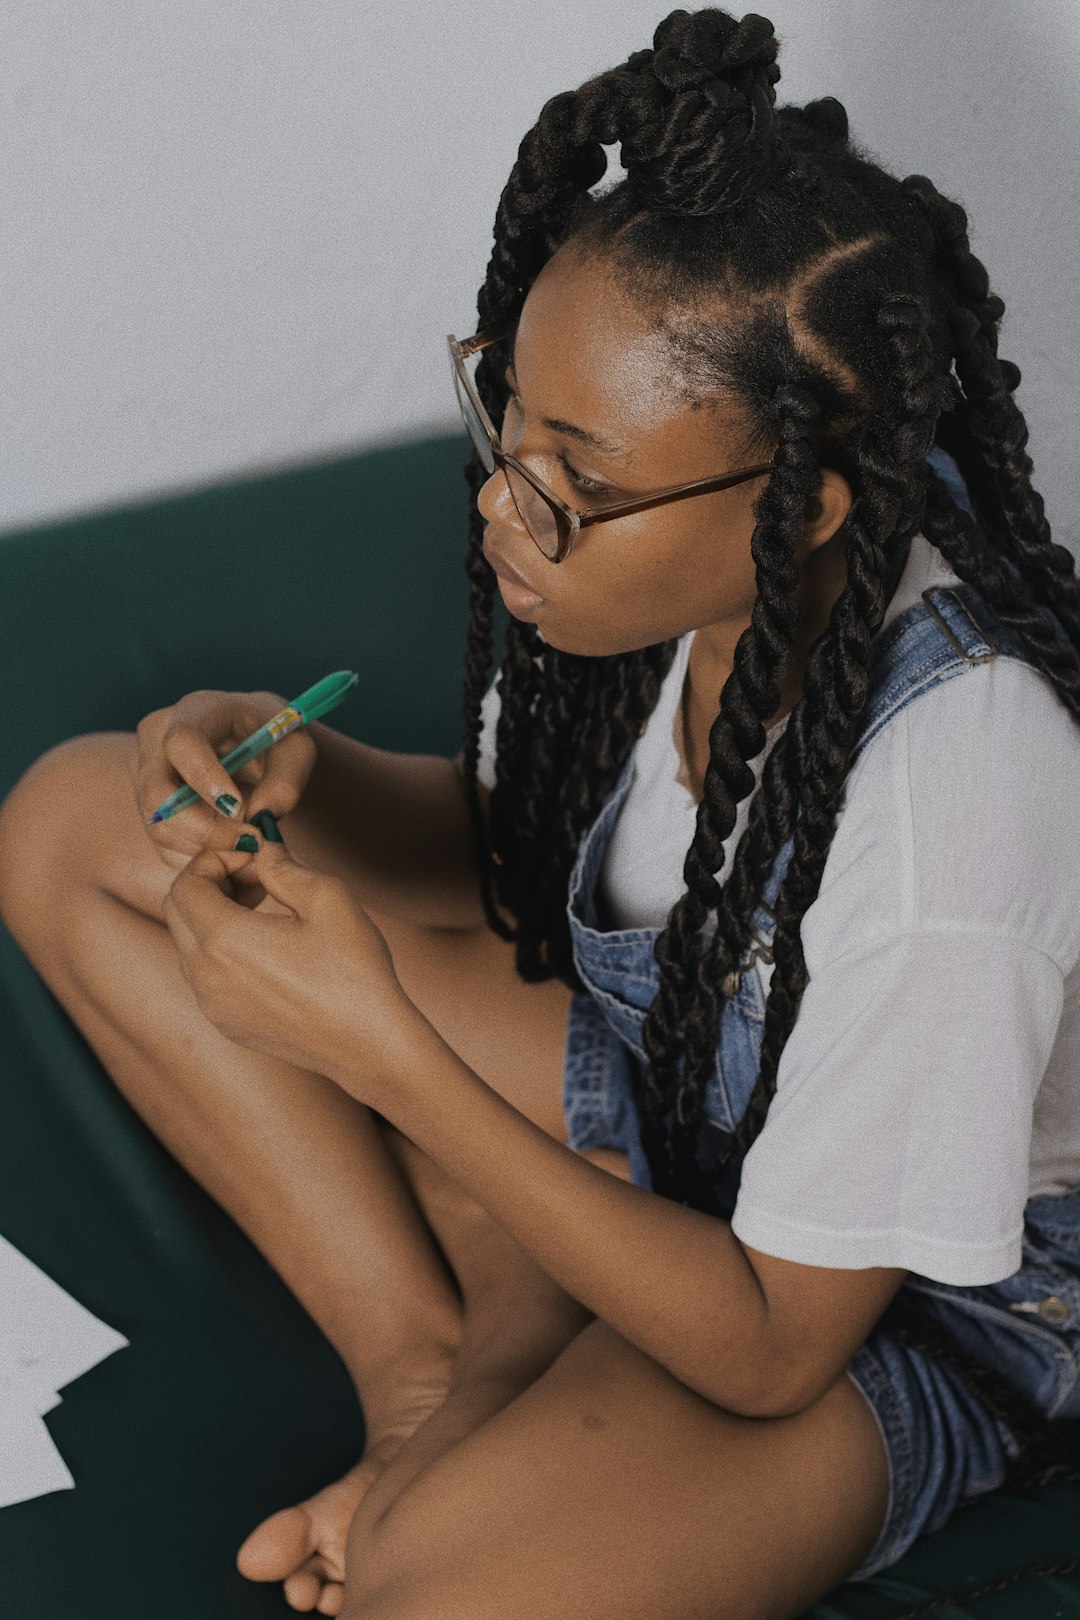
[858,330]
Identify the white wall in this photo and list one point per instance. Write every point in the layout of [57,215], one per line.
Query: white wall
[235,236]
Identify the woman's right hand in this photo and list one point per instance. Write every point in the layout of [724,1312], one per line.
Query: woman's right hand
[181,746]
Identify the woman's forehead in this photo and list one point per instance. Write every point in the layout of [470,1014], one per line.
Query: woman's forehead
[586,353]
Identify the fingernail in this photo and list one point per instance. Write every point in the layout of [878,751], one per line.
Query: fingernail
[227,804]
[266,822]
[248,843]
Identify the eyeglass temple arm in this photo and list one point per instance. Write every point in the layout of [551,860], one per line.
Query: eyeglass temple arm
[698,487]
[491,334]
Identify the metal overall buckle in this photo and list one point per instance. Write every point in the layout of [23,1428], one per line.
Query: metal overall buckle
[761,951]
[970,658]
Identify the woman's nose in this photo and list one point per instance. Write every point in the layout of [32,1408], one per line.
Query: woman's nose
[495,502]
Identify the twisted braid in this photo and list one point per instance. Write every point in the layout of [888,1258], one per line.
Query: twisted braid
[709,137]
[995,425]
[972,559]
[817,745]
[737,735]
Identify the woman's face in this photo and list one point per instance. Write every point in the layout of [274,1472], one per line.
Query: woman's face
[594,398]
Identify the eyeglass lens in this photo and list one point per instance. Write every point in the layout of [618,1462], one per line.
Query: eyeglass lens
[533,510]
[474,425]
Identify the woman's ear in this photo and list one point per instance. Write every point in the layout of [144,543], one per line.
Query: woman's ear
[826,510]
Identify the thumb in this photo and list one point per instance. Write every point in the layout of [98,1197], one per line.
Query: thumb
[283,877]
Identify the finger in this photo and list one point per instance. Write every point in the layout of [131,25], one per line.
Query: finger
[192,830]
[324,1568]
[288,767]
[302,1590]
[267,823]
[199,893]
[288,881]
[174,851]
[248,775]
[188,742]
[332,1598]
[196,762]
[196,827]
[249,893]
[249,890]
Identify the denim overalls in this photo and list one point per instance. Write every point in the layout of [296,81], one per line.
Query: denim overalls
[943,1447]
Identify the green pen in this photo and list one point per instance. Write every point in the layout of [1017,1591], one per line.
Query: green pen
[310,705]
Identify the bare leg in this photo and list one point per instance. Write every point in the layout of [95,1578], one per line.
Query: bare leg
[303,1168]
[330,1212]
[608,1488]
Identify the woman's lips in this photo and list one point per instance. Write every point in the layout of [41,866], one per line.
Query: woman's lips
[517,593]
[507,571]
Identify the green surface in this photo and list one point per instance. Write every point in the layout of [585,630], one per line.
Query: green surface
[229,1403]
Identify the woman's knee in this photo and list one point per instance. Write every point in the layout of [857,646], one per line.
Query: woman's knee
[62,819]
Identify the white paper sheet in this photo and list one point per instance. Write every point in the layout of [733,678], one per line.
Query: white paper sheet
[30,1464]
[47,1339]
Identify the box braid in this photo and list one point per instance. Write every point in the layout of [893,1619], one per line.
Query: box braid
[997,433]
[858,330]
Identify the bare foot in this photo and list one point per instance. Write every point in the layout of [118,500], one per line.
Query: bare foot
[486,1380]
[470,1403]
[304,1546]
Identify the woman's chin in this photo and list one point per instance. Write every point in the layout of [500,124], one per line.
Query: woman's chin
[521,603]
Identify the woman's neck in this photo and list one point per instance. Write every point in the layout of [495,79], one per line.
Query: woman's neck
[712,652]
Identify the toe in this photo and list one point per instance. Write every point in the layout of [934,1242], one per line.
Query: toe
[302,1590]
[278,1547]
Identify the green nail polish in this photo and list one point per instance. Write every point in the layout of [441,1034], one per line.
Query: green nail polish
[248,844]
[266,822]
[226,804]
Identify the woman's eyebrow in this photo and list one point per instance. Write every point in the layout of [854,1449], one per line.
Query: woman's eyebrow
[557,425]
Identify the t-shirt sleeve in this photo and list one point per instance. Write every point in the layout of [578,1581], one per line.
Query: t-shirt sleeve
[489,716]
[937,950]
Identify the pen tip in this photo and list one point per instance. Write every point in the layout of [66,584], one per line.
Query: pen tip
[155,818]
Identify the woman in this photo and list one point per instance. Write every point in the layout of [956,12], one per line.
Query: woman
[753,885]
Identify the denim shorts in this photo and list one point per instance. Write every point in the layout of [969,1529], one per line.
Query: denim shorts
[943,1446]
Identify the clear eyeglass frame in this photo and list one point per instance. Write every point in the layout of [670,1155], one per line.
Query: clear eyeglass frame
[552,524]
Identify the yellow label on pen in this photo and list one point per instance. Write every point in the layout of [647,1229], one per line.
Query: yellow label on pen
[286,721]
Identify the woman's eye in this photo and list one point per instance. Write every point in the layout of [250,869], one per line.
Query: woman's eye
[512,420]
[588,486]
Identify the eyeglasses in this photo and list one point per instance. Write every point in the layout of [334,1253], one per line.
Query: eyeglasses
[551,523]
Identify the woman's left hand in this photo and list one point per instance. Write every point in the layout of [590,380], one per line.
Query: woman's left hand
[316,987]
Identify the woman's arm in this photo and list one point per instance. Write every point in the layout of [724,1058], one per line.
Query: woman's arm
[756,1335]
[401,823]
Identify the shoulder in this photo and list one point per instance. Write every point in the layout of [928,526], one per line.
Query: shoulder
[973,791]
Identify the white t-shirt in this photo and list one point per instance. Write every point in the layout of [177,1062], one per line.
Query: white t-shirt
[931,1083]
